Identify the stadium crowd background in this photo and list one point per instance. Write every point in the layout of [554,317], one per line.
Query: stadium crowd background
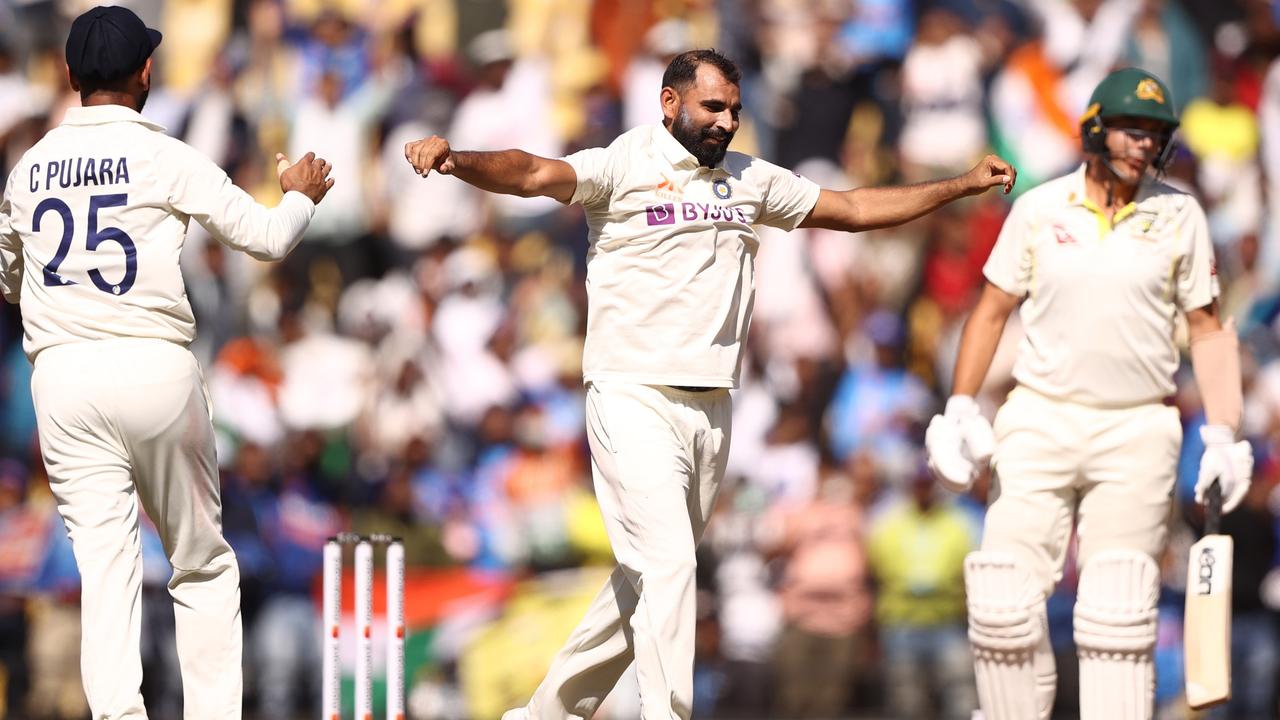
[414,366]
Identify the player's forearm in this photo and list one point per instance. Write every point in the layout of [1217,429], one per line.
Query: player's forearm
[509,172]
[1215,362]
[978,342]
[880,207]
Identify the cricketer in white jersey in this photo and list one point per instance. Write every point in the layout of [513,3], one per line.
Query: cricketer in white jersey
[1102,261]
[91,226]
[670,281]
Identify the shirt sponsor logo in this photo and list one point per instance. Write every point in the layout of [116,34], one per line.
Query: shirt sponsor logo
[667,213]
[664,214]
[669,189]
[1062,236]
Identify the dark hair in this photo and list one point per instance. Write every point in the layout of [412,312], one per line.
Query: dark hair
[683,69]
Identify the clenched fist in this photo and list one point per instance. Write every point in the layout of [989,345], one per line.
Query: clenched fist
[429,154]
[309,176]
[989,173]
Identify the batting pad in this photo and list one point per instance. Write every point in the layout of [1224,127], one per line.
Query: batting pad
[1007,629]
[1115,631]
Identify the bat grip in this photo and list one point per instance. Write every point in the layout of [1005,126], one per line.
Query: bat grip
[1213,509]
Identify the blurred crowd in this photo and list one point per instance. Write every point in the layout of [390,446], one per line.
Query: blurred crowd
[414,367]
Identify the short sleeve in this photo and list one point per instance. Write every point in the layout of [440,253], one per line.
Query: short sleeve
[787,198]
[1010,263]
[1197,271]
[597,171]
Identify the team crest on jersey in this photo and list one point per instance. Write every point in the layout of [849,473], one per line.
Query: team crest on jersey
[1149,89]
[721,189]
[1146,220]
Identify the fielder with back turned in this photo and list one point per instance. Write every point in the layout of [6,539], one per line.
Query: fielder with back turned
[669,286]
[91,226]
[1102,261]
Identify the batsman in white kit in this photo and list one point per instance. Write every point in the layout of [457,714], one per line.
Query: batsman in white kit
[1103,262]
[91,226]
[670,287]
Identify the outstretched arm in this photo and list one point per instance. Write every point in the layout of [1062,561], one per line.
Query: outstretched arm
[510,172]
[870,208]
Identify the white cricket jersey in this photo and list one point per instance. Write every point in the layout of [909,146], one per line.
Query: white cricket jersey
[1101,301]
[670,277]
[93,220]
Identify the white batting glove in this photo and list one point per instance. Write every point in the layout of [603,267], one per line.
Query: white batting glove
[1228,462]
[959,443]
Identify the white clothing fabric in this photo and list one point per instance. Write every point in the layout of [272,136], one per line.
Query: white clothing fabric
[421,210]
[519,114]
[125,421]
[1109,469]
[942,98]
[121,406]
[658,456]
[670,276]
[1101,301]
[96,212]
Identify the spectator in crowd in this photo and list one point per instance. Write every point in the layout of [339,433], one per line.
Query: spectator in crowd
[917,548]
[826,603]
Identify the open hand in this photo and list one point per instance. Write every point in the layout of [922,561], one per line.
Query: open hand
[989,173]
[429,154]
[309,176]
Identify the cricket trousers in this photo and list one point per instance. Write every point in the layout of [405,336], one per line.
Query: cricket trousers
[125,421]
[658,456]
[1109,470]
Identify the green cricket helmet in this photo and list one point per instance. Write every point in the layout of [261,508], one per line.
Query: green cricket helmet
[1129,92]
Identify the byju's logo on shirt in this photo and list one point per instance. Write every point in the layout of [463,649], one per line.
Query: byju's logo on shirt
[666,213]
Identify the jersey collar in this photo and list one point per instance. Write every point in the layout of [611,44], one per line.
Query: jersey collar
[1078,198]
[101,114]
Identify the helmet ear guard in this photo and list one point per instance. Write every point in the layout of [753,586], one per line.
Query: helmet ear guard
[1093,137]
[1093,133]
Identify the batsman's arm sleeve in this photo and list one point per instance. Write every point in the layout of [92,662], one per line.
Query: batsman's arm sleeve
[11,262]
[202,190]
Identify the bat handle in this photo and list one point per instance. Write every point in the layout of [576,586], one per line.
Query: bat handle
[1213,509]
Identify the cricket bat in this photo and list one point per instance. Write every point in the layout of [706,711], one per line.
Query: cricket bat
[1207,628]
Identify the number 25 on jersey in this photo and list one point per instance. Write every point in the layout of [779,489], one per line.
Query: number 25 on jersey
[94,239]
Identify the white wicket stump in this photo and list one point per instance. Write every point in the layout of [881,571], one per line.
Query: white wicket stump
[395,631]
[363,626]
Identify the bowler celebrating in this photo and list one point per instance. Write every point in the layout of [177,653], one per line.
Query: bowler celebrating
[670,283]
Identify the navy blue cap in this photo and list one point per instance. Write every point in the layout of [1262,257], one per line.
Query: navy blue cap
[109,42]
